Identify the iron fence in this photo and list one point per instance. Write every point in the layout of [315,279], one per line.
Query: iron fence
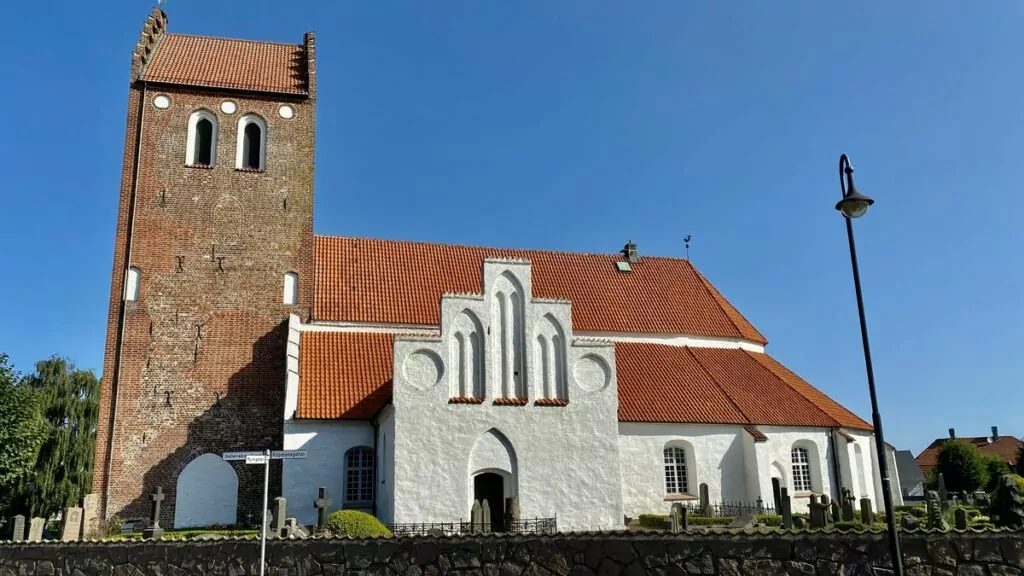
[729,509]
[526,526]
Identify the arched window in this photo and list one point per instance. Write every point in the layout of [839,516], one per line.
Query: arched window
[131,285]
[677,481]
[359,476]
[252,143]
[801,469]
[291,288]
[201,145]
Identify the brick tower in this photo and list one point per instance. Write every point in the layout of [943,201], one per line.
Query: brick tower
[214,249]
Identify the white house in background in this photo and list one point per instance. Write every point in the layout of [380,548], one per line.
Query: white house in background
[591,387]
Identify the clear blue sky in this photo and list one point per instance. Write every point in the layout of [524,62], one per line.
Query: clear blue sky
[578,125]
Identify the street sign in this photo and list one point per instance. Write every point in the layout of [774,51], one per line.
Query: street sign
[241,455]
[287,454]
[256,459]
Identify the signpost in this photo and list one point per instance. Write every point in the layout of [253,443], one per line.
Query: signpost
[264,457]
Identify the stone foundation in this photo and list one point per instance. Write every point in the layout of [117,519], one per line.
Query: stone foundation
[932,554]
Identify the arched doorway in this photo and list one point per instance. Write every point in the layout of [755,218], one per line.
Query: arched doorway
[206,493]
[490,487]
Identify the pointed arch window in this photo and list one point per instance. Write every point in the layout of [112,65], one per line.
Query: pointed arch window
[252,143]
[201,144]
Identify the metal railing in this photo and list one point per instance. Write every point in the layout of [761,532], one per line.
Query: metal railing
[728,509]
[526,526]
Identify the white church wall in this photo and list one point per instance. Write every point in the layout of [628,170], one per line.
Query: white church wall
[776,451]
[291,394]
[566,456]
[325,443]
[715,451]
[386,465]
[753,470]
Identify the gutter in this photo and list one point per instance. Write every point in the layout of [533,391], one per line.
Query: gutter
[115,379]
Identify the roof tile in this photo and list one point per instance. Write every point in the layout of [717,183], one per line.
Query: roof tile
[228,63]
[344,375]
[370,280]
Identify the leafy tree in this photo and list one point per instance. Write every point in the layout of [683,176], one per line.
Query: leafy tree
[22,431]
[69,403]
[1018,464]
[962,466]
[995,468]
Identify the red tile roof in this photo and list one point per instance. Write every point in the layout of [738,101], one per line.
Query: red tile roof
[345,375]
[369,280]
[718,386]
[1005,448]
[228,63]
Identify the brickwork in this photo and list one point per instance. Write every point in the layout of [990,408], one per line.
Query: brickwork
[201,365]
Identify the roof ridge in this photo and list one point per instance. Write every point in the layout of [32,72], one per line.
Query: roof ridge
[718,384]
[246,40]
[507,249]
[775,375]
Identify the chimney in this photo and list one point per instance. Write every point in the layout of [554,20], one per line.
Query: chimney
[629,251]
[952,433]
[995,433]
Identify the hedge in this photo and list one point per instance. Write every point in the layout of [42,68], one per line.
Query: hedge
[356,524]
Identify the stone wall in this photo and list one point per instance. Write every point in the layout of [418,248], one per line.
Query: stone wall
[932,554]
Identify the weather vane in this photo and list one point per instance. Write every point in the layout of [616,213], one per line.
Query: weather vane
[686,239]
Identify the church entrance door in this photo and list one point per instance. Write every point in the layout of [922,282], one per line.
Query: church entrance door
[777,494]
[490,487]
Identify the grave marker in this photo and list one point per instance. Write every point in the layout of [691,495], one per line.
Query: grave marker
[787,508]
[18,533]
[485,515]
[35,529]
[72,525]
[154,531]
[867,514]
[322,503]
[280,508]
[817,513]
[960,517]
[90,516]
[705,501]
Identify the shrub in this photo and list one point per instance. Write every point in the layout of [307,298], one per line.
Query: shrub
[111,526]
[356,524]
[1018,466]
[848,525]
[913,510]
[1020,483]
[769,519]
[711,520]
[962,466]
[996,469]
[653,520]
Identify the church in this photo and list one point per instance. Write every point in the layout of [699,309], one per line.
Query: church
[419,379]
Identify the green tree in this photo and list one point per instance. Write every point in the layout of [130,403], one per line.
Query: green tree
[1018,464]
[962,466]
[69,403]
[22,431]
[995,468]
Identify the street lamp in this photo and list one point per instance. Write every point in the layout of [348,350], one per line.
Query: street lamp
[854,205]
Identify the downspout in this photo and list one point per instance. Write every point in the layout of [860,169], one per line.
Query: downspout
[835,465]
[114,381]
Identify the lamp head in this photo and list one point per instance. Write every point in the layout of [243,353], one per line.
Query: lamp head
[854,204]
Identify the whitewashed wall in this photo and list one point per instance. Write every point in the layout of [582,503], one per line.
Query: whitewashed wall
[567,457]
[386,465]
[206,493]
[717,460]
[775,454]
[325,442]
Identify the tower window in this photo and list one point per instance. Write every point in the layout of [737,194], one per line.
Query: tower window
[252,143]
[201,147]
[291,288]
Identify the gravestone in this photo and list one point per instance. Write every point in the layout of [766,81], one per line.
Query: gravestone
[280,509]
[90,517]
[867,514]
[18,528]
[679,517]
[799,523]
[72,529]
[322,503]
[154,531]
[981,500]
[848,501]
[943,495]
[268,526]
[705,501]
[825,501]
[960,518]
[787,508]
[934,511]
[967,498]
[511,513]
[485,515]
[35,529]
[1007,503]
[909,522]
[834,511]
[292,529]
[476,517]
[817,511]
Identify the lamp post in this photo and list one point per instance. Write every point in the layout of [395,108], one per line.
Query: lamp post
[854,205]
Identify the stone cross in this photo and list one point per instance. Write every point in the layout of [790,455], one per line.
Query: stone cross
[35,529]
[72,525]
[848,501]
[817,510]
[322,503]
[154,531]
[280,508]
[787,508]
[960,516]
[90,516]
[705,501]
[19,528]
[867,514]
